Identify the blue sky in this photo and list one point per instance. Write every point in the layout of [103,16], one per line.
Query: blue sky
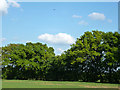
[57,24]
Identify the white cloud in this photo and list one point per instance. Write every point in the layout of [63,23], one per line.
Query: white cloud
[13,3]
[109,20]
[4,5]
[97,16]
[76,16]
[60,38]
[83,23]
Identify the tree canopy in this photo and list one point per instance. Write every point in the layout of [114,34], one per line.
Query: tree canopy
[94,56]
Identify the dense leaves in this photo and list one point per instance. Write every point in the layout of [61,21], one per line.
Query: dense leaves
[94,56]
[29,61]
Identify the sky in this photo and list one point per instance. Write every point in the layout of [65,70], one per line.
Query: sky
[56,24]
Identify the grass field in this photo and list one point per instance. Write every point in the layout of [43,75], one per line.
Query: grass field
[53,84]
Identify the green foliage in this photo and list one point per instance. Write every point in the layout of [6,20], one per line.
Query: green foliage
[28,61]
[94,56]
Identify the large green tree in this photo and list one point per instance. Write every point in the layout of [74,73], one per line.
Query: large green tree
[28,61]
[94,56]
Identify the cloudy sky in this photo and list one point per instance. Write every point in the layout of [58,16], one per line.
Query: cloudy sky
[56,24]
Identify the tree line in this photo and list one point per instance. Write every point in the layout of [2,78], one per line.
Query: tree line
[95,56]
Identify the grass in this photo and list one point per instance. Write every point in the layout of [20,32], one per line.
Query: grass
[53,84]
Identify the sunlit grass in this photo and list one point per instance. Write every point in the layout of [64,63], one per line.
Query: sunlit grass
[53,84]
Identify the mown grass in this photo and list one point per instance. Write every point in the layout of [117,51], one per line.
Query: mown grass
[53,84]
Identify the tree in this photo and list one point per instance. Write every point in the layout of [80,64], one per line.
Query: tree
[28,61]
[92,55]
[111,48]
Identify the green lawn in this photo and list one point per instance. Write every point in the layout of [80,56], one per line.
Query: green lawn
[53,84]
